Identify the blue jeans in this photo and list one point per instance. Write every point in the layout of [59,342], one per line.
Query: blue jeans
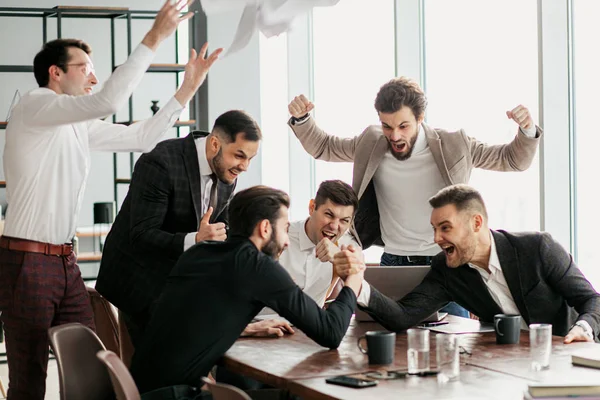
[388,259]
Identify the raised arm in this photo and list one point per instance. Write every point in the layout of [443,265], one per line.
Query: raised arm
[514,156]
[46,108]
[315,141]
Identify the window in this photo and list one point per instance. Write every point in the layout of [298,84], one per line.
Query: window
[587,141]
[481,59]
[353,56]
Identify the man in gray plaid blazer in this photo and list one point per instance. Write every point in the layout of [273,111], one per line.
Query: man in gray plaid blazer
[179,196]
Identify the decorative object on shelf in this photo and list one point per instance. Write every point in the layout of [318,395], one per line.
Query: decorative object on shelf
[104,216]
[154,107]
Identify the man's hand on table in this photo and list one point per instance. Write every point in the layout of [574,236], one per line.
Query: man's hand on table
[267,328]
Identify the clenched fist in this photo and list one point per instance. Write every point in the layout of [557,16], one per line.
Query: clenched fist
[520,114]
[300,106]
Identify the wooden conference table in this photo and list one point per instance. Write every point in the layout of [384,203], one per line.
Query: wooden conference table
[487,370]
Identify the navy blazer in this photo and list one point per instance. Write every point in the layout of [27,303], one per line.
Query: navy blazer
[162,206]
[545,283]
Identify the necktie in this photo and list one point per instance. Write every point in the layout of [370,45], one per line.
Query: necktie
[213,195]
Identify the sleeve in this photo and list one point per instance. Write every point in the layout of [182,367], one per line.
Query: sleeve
[424,300]
[276,289]
[150,192]
[323,146]
[514,156]
[49,109]
[141,136]
[566,278]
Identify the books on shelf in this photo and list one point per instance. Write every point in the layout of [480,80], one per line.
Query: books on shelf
[567,390]
[588,360]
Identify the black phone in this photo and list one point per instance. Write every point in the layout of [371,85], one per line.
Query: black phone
[349,381]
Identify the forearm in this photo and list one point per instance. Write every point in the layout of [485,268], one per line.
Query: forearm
[323,146]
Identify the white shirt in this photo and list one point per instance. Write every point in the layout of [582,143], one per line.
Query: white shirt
[299,259]
[48,142]
[403,189]
[205,186]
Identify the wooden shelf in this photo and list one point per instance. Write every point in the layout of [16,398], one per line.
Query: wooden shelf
[2,184]
[191,122]
[91,11]
[16,68]
[88,256]
[122,180]
[88,231]
[166,68]
[3,124]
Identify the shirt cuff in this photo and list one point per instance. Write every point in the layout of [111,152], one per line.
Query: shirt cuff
[531,131]
[189,241]
[586,327]
[300,121]
[365,294]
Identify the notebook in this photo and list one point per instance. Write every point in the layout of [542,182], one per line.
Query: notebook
[563,389]
[587,360]
[396,282]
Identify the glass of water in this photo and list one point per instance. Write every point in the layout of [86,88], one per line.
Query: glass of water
[540,345]
[418,350]
[448,359]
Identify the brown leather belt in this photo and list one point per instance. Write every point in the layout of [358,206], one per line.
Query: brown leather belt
[35,247]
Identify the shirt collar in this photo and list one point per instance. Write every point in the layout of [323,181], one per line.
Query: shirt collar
[494,263]
[304,240]
[205,169]
[421,143]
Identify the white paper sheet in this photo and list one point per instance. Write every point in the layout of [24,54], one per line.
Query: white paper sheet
[271,17]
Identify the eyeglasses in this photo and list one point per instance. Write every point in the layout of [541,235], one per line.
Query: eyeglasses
[89,67]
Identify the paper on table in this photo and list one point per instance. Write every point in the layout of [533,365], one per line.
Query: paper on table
[467,326]
[271,17]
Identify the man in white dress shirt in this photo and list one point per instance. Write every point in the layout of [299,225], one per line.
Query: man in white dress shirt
[315,240]
[47,161]
[488,272]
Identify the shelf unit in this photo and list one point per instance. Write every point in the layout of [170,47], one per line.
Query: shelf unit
[114,14]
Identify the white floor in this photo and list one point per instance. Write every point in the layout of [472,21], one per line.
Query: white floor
[52,386]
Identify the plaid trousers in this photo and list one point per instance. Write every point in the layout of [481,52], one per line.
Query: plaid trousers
[37,291]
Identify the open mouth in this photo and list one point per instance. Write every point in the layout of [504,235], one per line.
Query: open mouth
[328,235]
[449,250]
[399,147]
[88,90]
[234,173]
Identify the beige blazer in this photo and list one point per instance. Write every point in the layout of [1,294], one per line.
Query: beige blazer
[455,154]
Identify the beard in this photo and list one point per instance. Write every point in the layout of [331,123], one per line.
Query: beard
[462,255]
[405,155]
[219,168]
[272,248]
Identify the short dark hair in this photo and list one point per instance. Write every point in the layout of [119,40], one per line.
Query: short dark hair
[55,52]
[400,92]
[464,198]
[228,125]
[250,206]
[338,192]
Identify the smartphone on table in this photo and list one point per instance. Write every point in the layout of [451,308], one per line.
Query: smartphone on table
[357,381]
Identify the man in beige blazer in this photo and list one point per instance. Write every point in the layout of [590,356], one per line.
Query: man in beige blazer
[399,165]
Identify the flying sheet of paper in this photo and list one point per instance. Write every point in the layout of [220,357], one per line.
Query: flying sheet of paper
[271,17]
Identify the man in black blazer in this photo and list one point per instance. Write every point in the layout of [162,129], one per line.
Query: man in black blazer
[171,206]
[489,272]
[216,288]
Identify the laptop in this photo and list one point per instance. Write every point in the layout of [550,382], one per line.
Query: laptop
[396,282]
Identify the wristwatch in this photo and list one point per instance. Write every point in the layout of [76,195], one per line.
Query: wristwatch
[302,118]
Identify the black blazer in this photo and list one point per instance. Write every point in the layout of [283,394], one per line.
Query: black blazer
[162,206]
[545,283]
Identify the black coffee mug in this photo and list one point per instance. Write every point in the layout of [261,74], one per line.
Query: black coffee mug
[508,328]
[380,346]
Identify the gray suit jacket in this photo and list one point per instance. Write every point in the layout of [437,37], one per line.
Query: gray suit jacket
[455,154]
[545,283]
